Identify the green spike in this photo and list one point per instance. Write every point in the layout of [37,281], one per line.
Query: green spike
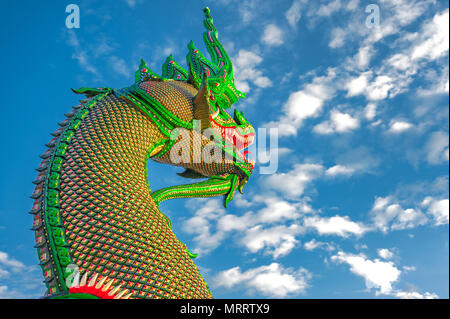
[172,70]
[219,69]
[230,195]
[144,73]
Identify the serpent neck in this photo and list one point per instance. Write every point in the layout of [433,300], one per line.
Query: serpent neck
[111,223]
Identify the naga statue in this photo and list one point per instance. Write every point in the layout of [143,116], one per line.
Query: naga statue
[98,228]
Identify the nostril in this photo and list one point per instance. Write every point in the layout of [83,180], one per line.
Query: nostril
[236,117]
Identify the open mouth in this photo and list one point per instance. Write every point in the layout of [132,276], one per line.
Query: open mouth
[239,141]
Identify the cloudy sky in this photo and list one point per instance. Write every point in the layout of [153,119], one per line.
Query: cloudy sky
[358,205]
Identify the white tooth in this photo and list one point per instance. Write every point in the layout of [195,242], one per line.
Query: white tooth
[84,279]
[101,282]
[93,280]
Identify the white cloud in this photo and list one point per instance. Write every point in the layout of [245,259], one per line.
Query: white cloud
[273,280]
[262,82]
[437,148]
[228,223]
[434,38]
[18,279]
[339,170]
[131,3]
[380,88]
[438,209]
[293,14]
[120,66]
[394,75]
[241,202]
[339,123]
[389,215]
[409,268]
[4,273]
[370,111]
[377,274]
[160,52]
[399,126]
[328,9]
[210,225]
[362,58]
[430,44]
[294,182]
[376,123]
[358,85]
[272,35]
[360,159]
[324,128]
[284,151]
[261,231]
[10,262]
[277,210]
[337,38]
[278,240]
[436,83]
[248,10]
[201,227]
[380,82]
[304,104]
[81,54]
[313,244]
[397,14]
[352,5]
[415,295]
[336,225]
[400,61]
[104,47]
[246,71]
[385,253]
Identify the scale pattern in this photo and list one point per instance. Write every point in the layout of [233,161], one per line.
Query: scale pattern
[176,96]
[112,225]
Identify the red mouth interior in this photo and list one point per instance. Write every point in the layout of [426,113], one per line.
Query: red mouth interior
[239,141]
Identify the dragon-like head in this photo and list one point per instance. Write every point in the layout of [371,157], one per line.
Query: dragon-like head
[191,106]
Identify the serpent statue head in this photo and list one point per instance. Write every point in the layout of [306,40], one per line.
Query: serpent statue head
[190,106]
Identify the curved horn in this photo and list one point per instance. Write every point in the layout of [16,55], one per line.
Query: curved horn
[214,115]
[201,104]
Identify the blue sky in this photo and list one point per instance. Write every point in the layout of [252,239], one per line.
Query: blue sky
[358,207]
